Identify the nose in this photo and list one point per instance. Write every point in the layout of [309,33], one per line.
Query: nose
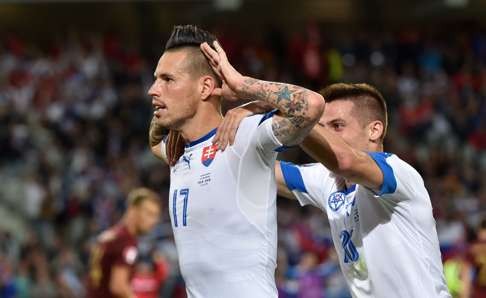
[152,90]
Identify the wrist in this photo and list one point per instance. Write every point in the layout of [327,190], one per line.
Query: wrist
[243,87]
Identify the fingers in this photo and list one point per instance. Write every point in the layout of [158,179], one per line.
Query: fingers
[212,55]
[228,132]
[225,135]
[219,49]
[213,58]
[217,92]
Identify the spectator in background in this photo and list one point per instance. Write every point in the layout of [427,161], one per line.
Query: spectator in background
[478,260]
[149,277]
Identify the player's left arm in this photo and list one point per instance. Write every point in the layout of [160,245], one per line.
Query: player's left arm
[120,281]
[335,154]
[299,108]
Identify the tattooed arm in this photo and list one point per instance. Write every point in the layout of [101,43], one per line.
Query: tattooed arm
[300,108]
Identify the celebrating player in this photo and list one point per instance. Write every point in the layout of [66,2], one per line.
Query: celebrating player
[378,208]
[223,204]
[113,255]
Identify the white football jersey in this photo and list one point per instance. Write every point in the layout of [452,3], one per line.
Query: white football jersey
[387,242]
[223,211]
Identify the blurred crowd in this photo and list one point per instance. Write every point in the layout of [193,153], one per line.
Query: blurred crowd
[74,118]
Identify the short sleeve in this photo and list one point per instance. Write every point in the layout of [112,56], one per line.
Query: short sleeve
[310,183]
[400,180]
[266,139]
[255,132]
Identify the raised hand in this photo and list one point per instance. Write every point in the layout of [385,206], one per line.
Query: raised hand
[226,132]
[232,79]
[225,135]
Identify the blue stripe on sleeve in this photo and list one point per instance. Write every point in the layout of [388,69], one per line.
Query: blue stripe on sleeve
[282,148]
[268,116]
[389,181]
[292,176]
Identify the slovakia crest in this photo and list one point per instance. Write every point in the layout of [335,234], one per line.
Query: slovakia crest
[336,200]
[208,154]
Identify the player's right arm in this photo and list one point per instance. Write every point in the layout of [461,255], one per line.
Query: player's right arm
[299,108]
[282,188]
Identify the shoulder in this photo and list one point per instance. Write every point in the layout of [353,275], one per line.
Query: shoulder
[397,173]
[303,177]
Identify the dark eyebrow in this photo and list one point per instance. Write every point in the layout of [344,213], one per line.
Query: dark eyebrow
[163,75]
[335,121]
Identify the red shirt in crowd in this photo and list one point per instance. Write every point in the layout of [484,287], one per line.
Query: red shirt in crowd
[147,284]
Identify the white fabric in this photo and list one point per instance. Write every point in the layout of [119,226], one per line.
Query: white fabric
[227,243]
[387,243]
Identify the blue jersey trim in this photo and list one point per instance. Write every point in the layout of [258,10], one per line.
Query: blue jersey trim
[292,176]
[389,181]
[282,148]
[268,116]
[203,138]
[349,189]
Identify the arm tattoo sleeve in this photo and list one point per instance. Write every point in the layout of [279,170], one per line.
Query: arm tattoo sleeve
[297,106]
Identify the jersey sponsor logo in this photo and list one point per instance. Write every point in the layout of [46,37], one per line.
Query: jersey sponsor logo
[208,154]
[187,160]
[336,200]
[183,164]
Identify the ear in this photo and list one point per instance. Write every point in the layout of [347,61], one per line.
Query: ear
[375,131]
[207,85]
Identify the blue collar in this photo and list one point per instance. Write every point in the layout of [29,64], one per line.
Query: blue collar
[202,139]
[349,189]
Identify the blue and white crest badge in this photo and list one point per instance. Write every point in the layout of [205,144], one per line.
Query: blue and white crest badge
[336,200]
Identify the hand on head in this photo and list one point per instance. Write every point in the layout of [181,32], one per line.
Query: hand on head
[228,74]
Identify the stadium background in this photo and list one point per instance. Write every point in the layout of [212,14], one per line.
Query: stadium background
[74,117]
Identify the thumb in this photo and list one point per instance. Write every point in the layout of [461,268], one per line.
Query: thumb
[217,92]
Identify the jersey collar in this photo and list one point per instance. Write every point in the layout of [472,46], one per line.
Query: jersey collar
[202,139]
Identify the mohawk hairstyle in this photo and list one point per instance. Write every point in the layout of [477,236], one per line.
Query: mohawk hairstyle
[191,37]
[188,36]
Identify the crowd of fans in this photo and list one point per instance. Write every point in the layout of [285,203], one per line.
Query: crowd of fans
[74,119]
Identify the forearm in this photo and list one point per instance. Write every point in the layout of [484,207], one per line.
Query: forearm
[300,108]
[331,150]
[339,157]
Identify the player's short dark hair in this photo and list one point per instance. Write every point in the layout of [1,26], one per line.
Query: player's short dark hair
[190,37]
[368,101]
[138,195]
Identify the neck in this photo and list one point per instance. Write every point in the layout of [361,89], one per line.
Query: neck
[129,222]
[206,119]
[375,147]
